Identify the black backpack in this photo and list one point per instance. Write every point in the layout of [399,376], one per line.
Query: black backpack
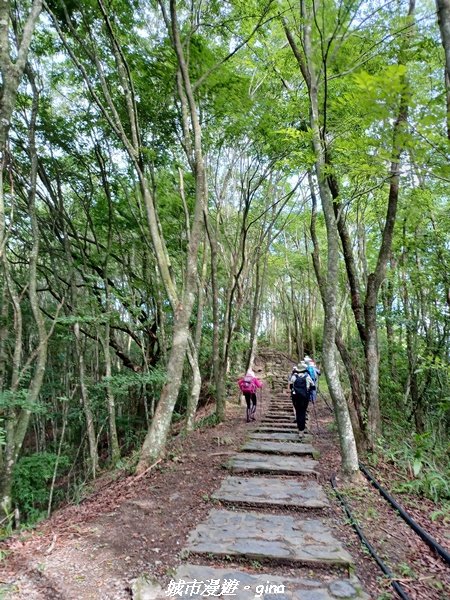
[299,387]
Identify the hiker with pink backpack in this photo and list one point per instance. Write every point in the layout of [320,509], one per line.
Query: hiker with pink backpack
[248,386]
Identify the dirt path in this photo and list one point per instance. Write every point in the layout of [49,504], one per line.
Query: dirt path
[95,549]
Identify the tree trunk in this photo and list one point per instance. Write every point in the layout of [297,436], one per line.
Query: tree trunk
[388,299]
[356,405]
[194,393]
[216,363]
[85,401]
[155,440]
[110,400]
[329,285]
[18,419]
[443,13]
[156,437]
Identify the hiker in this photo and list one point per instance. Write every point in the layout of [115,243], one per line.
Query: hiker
[300,385]
[314,373]
[248,386]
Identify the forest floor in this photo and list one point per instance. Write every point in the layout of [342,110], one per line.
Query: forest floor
[133,526]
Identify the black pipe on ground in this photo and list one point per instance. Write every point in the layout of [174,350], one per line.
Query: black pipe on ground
[386,570]
[432,543]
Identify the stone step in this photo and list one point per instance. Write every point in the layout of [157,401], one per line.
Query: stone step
[272,463]
[280,415]
[287,416]
[268,428]
[199,581]
[260,536]
[272,491]
[276,421]
[290,448]
[285,436]
[276,403]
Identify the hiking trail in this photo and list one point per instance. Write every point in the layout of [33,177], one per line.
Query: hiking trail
[269,514]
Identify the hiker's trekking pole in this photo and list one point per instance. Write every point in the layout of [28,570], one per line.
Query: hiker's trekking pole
[325,402]
[260,404]
[315,416]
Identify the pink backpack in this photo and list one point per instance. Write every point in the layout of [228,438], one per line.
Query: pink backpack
[247,385]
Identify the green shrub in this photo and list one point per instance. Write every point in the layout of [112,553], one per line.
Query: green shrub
[425,461]
[31,484]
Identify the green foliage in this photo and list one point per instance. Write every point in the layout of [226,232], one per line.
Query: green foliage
[121,383]
[209,421]
[32,476]
[423,460]
[19,400]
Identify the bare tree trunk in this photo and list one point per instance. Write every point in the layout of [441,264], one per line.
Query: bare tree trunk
[411,327]
[3,335]
[256,306]
[443,12]
[388,299]
[219,390]
[356,405]
[196,385]
[193,352]
[156,438]
[85,401]
[329,284]
[110,400]
[11,73]
[18,419]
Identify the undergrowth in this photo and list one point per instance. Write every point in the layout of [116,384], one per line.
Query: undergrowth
[423,459]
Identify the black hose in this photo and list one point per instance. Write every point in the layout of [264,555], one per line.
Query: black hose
[386,570]
[434,545]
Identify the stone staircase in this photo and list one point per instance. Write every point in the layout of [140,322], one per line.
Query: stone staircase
[273,474]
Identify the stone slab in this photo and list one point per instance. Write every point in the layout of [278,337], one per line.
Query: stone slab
[281,402]
[280,416]
[272,463]
[279,447]
[262,586]
[285,436]
[271,491]
[260,536]
[289,419]
[265,428]
[279,422]
[283,416]
[288,414]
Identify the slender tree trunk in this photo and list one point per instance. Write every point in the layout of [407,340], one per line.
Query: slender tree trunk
[216,363]
[194,393]
[18,420]
[328,285]
[85,401]
[356,393]
[411,328]
[11,74]
[193,352]
[443,13]
[388,299]
[3,335]
[256,306]
[155,440]
[110,400]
